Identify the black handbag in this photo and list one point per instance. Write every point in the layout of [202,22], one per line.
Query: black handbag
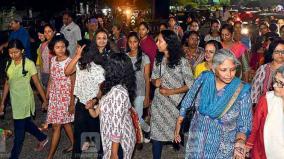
[189,113]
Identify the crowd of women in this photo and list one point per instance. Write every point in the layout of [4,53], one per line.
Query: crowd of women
[235,91]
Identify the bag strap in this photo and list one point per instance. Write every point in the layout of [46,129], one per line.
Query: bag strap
[232,100]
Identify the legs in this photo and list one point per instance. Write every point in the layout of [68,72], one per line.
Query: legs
[157,147]
[56,128]
[19,128]
[69,132]
[138,103]
[79,127]
[33,129]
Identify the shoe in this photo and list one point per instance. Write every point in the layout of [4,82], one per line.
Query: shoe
[67,150]
[146,140]
[41,145]
[86,146]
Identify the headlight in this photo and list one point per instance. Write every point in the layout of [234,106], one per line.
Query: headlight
[245,31]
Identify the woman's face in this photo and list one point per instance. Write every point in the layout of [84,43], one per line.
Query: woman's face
[193,41]
[278,84]
[215,27]
[60,49]
[226,35]
[15,54]
[172,22]
[209,52]
[194,26]
[161,44]
[278,54]
[143,31]
[133,43]
[48,33]
[101,39]
[225,72]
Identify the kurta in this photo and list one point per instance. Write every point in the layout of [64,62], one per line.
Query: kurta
[215,138]
[116,122]
[164,110]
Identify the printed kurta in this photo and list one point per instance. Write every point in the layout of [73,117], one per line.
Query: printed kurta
[262,82]
[215,138]
[116,122]
[164,110]
[59,93]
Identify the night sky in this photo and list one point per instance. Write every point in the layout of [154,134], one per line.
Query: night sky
[39,5]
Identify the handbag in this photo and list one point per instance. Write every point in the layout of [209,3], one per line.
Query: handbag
[137,126]
[189,113]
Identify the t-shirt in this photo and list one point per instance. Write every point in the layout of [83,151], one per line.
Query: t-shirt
[23,36]
[21,93]
[72,33]
[87,82]
[140,80]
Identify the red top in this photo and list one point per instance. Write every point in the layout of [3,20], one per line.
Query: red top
[256,140]
[149,47]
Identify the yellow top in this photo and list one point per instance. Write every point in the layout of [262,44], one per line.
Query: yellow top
[200,68]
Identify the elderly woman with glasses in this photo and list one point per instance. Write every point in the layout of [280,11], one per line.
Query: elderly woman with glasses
[267,136]
[262,81]
[223,114]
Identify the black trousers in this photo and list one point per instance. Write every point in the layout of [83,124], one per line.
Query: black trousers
[83,122]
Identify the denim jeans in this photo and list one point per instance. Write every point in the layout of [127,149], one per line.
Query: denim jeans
[157,147]
[138,104]
[20,127]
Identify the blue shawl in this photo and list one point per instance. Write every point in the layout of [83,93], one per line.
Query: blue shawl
[209,106]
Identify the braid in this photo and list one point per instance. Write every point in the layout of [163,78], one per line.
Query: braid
[7,67]
[24,72]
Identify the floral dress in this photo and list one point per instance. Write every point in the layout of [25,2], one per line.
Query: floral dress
[116,122]
[59,93]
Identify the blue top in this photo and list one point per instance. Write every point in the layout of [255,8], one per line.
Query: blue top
[214,138]
[23,36]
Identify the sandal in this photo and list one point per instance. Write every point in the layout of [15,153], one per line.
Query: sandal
[43,128]
[67,150]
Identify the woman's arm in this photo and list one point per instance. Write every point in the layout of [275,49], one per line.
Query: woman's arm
[147,84]
[71,68]
[39,88]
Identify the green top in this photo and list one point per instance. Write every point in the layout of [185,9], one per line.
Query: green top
[21,93]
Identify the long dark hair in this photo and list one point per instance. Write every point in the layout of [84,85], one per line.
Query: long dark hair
[272,46]
[15,43]
[174,49]
[119,70]
[139,51]
[57,38]
[107,47]
[88,55]
[216,44]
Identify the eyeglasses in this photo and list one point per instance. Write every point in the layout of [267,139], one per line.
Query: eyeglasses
[278,52]
[278,84]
